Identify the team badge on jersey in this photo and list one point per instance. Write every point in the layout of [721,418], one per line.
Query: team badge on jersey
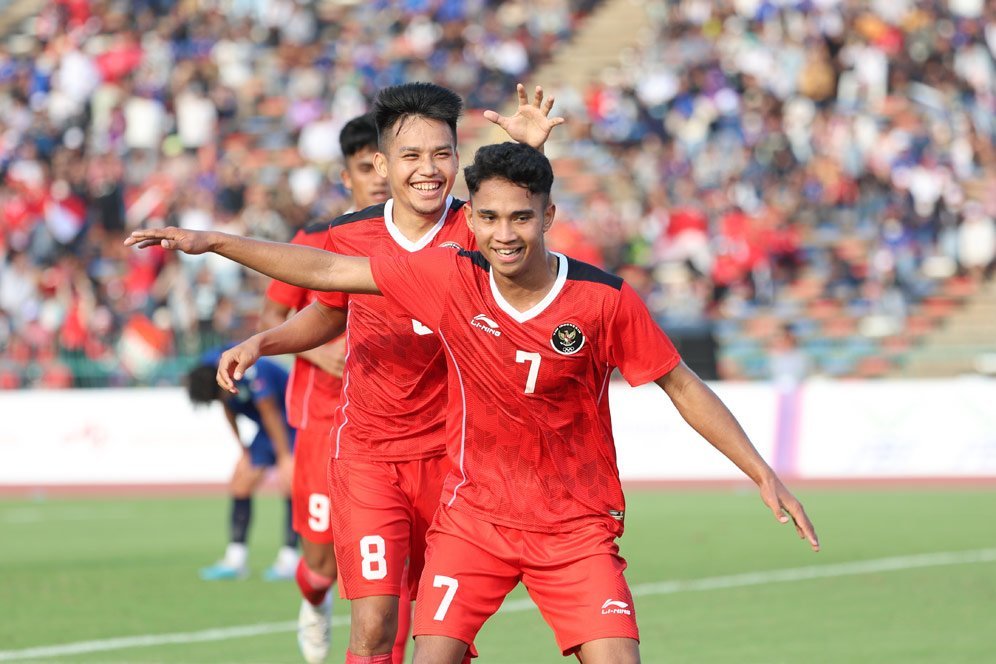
[567,339]
[451,245]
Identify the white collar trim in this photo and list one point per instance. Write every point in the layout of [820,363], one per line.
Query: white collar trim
[400,238]
[539,307]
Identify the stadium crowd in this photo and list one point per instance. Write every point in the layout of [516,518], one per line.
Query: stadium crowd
[751,156]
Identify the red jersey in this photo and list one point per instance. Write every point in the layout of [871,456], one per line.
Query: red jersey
[312,394]
[393,405]
[528,427]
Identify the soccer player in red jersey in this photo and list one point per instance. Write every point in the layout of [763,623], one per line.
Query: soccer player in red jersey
[389,450]
[531,338]
[312,396]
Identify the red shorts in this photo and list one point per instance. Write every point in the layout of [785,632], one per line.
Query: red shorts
[575,578]
[382,512]
[310,502]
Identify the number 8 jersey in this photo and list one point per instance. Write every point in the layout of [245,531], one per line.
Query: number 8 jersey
[528,427]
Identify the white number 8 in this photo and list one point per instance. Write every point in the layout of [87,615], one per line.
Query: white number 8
[374,566]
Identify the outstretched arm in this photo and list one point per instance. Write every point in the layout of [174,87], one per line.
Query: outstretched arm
[306,267]
[313,326]
[531,123]
[708,415]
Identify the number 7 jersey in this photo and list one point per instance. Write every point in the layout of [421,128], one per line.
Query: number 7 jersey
[528,427]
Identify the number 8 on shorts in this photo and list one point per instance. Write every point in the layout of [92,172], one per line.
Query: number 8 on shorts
[372,550]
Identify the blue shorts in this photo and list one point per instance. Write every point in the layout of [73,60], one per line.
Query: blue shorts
[261,453]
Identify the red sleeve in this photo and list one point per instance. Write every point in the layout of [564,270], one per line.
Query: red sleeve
[636,344]
[293,297]
[333,299]
[418,282]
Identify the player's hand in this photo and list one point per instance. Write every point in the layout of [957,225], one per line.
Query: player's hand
[285,472]
[531,123]
[780,500]
[172,238]
[235,362]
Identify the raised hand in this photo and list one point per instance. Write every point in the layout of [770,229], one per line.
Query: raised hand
[234,363]
[780,500]
[172,238]
[531,123]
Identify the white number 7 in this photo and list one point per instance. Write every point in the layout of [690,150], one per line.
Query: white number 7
[451,587]
[534,361]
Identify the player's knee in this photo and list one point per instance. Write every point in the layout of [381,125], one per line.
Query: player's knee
[374,625]
[321,560]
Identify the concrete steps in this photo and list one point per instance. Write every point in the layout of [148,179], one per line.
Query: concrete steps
[965,343]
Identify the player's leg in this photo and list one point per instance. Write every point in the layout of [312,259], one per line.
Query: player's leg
[577,581]
[316,570]
[470,566]
[610,651]
[284,564]
[404,632]
[372,524]
[234,564]
[423,481]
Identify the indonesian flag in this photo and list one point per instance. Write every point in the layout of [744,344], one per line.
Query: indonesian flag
[142,347]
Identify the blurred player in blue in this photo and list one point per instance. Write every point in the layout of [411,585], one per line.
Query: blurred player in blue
[260,398]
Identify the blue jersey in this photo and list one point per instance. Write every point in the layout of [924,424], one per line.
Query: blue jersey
[264,379]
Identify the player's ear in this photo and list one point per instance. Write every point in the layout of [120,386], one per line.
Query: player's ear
[548,215]
[347,180]
[380,164]
[468,214]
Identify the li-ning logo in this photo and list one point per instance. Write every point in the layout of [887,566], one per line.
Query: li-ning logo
[482,322]
[451,245]
[615,606]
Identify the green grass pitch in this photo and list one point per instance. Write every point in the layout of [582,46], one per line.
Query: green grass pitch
[91,570]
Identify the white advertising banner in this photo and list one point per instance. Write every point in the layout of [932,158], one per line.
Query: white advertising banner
[653,442]
[830,430]
[114,436]
[898,429]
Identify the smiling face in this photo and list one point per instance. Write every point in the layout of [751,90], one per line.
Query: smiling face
[419,159]
[509,221]
[367,186]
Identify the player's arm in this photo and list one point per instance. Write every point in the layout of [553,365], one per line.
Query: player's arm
[329,357]
[531,123]
[708,415]
[233,423]
[313,326]
[298,265]
[272,419]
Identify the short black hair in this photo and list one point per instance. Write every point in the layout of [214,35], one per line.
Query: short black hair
[359,133]
[426,100]
[202,388]
[516,162]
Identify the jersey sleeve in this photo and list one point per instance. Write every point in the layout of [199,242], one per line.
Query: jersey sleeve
[333,299]
[263,383]
[636,344]
[292,297]
[418,282]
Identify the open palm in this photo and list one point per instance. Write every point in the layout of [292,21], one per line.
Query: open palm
[531,123]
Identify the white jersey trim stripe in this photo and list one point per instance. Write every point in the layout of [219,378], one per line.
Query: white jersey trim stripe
[539,307]
[423,241]
[344,397]
[306,402]
[463,417]
[605,382]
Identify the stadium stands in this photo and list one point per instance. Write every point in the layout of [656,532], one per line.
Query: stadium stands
[745,165]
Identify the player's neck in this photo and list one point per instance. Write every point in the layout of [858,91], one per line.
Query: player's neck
[528,288]
[412,224]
